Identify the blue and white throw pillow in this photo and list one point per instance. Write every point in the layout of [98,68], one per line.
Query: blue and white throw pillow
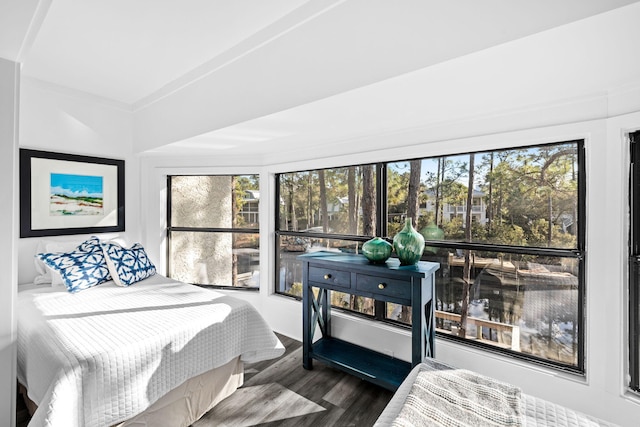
[81,268]
[128,266]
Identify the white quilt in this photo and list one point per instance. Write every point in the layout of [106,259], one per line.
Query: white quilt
[103,355]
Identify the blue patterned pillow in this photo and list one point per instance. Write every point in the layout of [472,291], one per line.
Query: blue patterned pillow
[82,268]
[128,266]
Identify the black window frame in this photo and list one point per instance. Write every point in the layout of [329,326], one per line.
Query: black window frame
[578,253]
[634,262]
[381,212]
[231,230]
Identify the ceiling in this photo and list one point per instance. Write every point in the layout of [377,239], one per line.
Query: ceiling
[126,50]
[136,52]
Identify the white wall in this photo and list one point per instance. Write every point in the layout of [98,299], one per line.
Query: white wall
[61,120]
[9,93]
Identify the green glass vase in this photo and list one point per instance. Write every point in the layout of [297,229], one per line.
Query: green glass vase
[432,232]
[377,250]
[408,244]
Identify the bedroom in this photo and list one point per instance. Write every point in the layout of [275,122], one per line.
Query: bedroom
[581,82]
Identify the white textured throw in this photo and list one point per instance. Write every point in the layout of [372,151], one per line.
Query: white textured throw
[103,355]
[441,396]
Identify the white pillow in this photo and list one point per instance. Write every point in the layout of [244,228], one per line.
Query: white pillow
[45,273]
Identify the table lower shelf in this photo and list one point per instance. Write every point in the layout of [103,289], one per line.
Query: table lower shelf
[361,362]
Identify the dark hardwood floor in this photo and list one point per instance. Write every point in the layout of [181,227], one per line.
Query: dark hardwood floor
[22,415]
[281,392]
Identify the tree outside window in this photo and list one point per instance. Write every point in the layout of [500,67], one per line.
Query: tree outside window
[213,230]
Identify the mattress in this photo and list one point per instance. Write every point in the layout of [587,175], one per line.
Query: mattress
[536,412]
[106,354]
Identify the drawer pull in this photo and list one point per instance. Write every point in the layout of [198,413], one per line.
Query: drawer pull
[382,285]
[327,276]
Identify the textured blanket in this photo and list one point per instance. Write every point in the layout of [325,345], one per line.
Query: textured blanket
[103,355]
[441,396]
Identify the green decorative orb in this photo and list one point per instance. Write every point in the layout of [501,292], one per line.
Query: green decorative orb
[432,232]
[408,244]
[377,250]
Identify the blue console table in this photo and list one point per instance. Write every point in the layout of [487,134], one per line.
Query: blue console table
[407,285]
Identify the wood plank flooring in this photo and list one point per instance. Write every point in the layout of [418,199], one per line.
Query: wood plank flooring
[281,392]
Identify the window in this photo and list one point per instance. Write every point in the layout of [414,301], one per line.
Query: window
[634,266]
[213,230]
[332,209]
[506,227]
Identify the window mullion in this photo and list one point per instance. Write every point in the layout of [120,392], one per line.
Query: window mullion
[634,265]
[381,199]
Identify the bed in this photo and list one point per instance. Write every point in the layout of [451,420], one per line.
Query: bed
[436,394]
[131,355]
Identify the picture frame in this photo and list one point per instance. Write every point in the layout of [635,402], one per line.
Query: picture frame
[64,194]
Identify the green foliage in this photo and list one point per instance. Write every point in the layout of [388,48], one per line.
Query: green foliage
[479,232]
[453,229]
[394,228]
[509,233]
[425,219]
[524,190]
[531,188]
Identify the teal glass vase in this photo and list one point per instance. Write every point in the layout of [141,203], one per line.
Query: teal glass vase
[377,250]
[408,244]
[432,232]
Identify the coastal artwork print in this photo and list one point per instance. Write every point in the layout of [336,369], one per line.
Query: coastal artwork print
[76,195]
[64,194]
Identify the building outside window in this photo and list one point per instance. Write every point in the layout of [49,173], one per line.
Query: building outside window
[250,204]
[213,230]
[505,226]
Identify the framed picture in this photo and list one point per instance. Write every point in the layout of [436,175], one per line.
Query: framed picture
[70,194]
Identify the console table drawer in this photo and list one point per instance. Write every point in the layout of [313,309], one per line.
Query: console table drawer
[329,276]
[383,286]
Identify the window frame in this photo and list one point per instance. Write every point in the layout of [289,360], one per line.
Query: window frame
[381,212]
[634,262]
[578,253]
[232,230]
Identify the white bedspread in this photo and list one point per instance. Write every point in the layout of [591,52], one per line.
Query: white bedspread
[103,355]
[537,412]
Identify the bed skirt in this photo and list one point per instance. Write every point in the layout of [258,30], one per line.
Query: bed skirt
[186,403]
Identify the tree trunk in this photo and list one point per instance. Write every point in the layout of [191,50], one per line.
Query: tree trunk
[323,201]
[499,208]
[550,225]
[287,208]
[368,201]
[413,198]
[490,207]
[351,191]
[438,219]
[466,274]
[439,191]
[234,221]
[292,222]
[294,218]
[309,204]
